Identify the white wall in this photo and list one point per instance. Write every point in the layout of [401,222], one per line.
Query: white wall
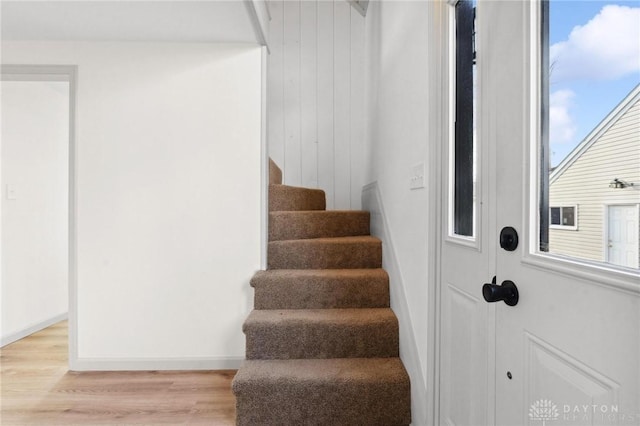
[316,97]
[35,142]
[402,39]
[168,198]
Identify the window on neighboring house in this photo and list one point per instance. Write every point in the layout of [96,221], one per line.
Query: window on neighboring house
[565,217]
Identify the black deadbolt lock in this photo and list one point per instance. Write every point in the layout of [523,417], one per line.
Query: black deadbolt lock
[508,238]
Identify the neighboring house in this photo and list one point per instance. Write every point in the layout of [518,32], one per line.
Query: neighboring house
[593,216]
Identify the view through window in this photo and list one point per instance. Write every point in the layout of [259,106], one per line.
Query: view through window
[593,121]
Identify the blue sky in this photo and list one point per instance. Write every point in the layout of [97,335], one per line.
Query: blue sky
[595,49]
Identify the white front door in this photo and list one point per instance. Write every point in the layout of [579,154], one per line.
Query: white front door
[568,353]
[623,236]
[466,340]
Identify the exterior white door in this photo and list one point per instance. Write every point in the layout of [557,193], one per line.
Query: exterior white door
[623,235]
[568,353]
[466,332]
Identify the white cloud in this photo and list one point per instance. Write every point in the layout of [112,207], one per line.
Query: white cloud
[562,128]
[607,47]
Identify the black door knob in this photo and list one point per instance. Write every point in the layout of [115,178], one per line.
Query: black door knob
[507,291]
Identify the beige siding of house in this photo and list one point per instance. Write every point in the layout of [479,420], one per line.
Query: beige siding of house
[585,183]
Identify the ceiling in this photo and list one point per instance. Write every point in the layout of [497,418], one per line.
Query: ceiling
[115,20]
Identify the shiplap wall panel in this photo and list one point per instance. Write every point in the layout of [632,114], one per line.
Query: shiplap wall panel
[316,88]
[325,75]
[275,82]
[309,93]
[342,103]
[291,52]
[357,108]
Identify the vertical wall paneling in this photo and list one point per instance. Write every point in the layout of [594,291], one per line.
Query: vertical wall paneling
[316,97]
[309,93]
[325,72]
[275,98]
[357,87]
[292,169]
[342,104]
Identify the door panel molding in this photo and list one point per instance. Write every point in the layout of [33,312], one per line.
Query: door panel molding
[545,362]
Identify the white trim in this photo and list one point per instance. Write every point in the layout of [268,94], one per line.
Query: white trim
[439,24]
[268,9]
[408,346]
[632,98]
[68,73]
[258,27]
[155,364]
[264,164]
[473,241]
[591,272]
[33,328]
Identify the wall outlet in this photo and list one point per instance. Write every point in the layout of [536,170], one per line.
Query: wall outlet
[416,179]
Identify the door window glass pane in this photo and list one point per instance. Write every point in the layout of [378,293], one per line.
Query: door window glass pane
[591,131]
[464,125]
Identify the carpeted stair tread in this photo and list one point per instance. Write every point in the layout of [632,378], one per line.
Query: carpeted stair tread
[275,174]
[321,288]
[291,225]
[328,392]
[326,253]
[289,198]
[322,344]
[321,333]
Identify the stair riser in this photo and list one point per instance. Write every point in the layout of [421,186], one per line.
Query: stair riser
[289,198]
[321,295]
[310,254]
[369,340]
[322,224]
[290,404]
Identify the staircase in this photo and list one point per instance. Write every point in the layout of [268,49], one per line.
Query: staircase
[321,342]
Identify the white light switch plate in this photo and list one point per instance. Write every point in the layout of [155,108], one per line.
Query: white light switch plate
[417,176]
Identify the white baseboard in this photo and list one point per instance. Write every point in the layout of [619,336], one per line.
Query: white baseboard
[154,364]
[34,328]
[372,201]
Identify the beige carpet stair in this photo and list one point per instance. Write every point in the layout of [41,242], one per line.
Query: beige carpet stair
[321,333]
[293,198]
[323,392]
[275,174]
[321,289]
[326,253]
[321,343]
[289,225]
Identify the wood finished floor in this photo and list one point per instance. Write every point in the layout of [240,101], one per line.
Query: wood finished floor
[37,389]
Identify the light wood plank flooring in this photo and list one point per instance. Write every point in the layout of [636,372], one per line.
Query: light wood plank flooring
[37,389]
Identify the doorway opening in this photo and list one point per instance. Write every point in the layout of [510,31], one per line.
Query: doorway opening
[38,199]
